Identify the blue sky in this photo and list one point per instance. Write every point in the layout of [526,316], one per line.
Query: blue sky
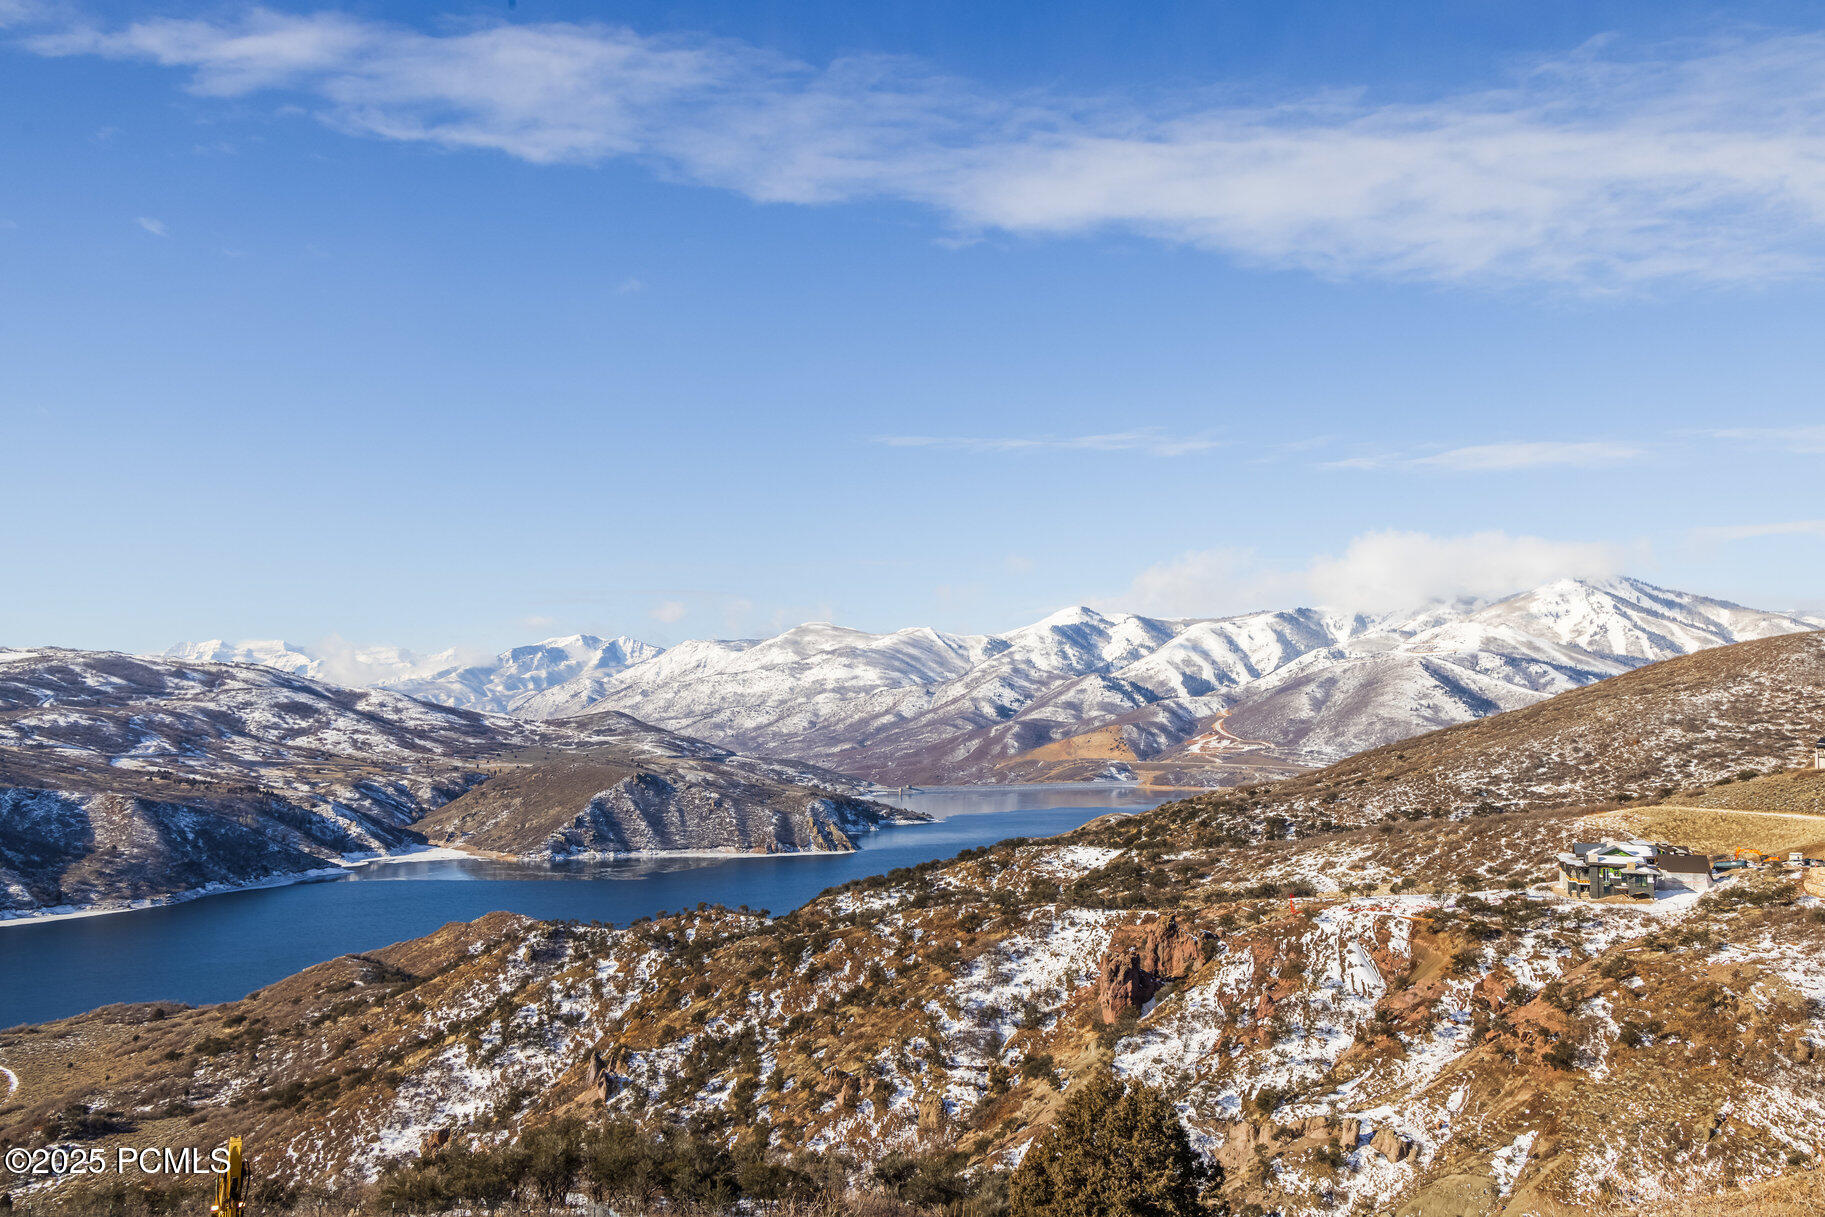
[703,319]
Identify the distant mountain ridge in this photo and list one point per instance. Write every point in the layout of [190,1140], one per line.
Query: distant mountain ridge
[1087,694]
[499,686]
[1184,702]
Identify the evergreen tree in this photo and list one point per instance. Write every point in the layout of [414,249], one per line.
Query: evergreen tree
[1115,1151]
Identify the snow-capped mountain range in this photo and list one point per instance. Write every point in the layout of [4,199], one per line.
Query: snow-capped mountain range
[501,685]
[1085,693]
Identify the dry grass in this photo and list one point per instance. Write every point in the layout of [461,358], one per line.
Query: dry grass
[1797,790]
[1712,832]
[1801,1194]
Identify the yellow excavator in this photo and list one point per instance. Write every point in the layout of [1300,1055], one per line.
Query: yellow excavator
[231,1185]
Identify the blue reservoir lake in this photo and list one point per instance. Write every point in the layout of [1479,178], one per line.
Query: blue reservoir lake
[222,947]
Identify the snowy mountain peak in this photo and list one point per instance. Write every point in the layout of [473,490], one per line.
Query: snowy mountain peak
[1078,614]
[270,653]
[572,640]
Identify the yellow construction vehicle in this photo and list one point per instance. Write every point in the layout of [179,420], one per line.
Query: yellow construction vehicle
[231,1185]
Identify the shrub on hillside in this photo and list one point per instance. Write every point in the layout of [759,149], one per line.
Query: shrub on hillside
[926,1180]
[1115,1150]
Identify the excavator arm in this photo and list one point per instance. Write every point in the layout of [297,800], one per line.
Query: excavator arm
[231,1184]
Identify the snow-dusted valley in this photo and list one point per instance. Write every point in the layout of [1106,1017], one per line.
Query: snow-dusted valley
[126,779]
[1354,986]
[1085,694]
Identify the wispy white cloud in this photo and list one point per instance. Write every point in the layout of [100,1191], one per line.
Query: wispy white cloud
[668,611]
[629,286]
[1376,572]
[1492,458]
[155,227]
[1748,532]
[1602,168]
[1480,458]
[1147,440]
[1206,583]
[24,12]
[1806,438]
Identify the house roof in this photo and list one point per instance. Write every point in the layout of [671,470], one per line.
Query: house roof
[1612,848]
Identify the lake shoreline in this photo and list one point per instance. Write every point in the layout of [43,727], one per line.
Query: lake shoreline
[434,853]
[446,853]
[325,874]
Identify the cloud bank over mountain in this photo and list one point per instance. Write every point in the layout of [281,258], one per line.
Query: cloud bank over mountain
[1378,572]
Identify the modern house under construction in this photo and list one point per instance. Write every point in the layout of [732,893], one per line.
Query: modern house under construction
[1596,869]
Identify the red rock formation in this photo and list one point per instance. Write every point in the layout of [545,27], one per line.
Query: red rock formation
[1240,1141]
[1389,1144]
[599,1069]
[1124,985]
[1142,958]
[1493,988]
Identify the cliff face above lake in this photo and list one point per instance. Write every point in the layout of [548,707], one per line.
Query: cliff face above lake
[125,779]
[591,807]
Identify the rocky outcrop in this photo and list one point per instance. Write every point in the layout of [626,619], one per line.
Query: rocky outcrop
[1390,1145]
[1141,959]
[595,1070]
[1814,881]
[1237,1149]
